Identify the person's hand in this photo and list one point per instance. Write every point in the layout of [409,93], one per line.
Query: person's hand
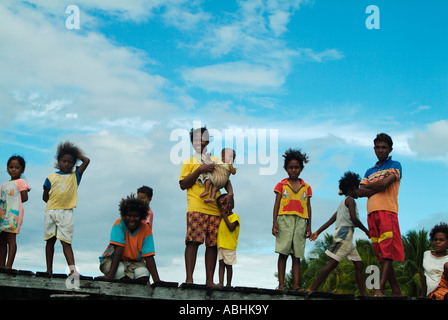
[207,167]
[314,236]
[275,229]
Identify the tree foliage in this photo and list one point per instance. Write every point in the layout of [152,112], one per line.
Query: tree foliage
[342,279]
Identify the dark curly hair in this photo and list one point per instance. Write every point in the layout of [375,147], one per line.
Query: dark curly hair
[294,154]
[68,148]
[131,203]
[441,227]
[348,181]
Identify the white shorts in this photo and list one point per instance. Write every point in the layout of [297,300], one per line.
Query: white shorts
[229,256]
[59,223]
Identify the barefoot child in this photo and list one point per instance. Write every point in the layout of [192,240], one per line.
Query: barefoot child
[13,193]
[291,217]
[347,218]
[60,194]
[228,232]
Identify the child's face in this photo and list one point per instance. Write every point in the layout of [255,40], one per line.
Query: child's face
[66,163]
[294,169]
[227,156]
[132,220]
[144,197]
[440,242]
[15,169]
[382,150]
[200,141]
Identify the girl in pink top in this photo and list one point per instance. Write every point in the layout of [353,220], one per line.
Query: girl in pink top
[12,194]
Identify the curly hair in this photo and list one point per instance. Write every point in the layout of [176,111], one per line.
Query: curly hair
[68,148]
[131,203]
[348,181]
[294,154]
[441,227]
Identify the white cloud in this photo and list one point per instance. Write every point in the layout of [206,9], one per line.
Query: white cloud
[431,143]
[234,77]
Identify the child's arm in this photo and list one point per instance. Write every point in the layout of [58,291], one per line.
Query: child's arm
[118,253]
[228,199]
[85,162]
[308,226]
[278,197]
[230,225]
[314,235]
[151,266]
[367,190]
[351,205]
[24,195]
[45,195]
[232,168]
[424,287]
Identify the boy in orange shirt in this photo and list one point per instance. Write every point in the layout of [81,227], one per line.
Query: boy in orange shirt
[380,184]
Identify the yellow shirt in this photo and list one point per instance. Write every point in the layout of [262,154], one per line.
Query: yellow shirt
[63,190]
[228,239]
[293,202]
[195,202]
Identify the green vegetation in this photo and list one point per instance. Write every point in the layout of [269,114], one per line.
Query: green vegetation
[342,280]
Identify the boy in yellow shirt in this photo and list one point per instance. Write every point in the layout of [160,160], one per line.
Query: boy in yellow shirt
[228,232]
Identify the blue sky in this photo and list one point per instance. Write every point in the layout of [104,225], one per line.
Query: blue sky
[135,72]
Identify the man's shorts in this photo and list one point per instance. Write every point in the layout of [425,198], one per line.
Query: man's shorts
[59,223]
[202,226]
[291,235]
[342,246]
[227,255]
[385,235]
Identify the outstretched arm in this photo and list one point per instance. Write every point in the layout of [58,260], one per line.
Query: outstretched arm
[314,235]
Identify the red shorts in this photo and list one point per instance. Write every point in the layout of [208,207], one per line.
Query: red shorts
[202,226]
[385,235]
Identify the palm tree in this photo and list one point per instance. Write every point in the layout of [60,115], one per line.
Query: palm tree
[410,272]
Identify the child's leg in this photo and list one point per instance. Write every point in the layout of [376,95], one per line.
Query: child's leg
[12,249]
[3,249]
[207,188]
[295,272]
[212,195]
[68,253]
[281,268]
[49,253]
[221,272]
[360,277]
[229,274]
[323,274]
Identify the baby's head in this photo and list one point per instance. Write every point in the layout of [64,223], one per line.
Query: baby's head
[228,155]
[66,157]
